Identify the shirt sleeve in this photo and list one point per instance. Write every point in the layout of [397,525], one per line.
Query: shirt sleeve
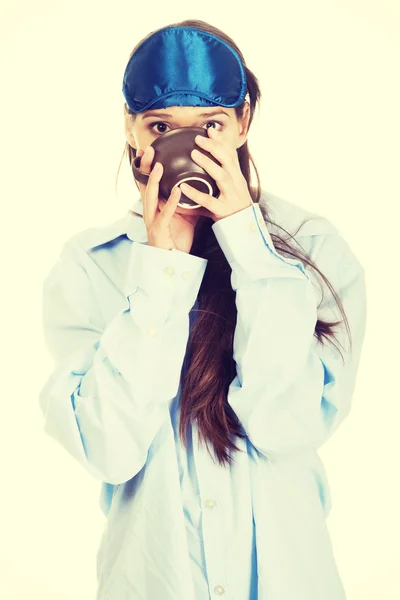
[108,394]
[290,392]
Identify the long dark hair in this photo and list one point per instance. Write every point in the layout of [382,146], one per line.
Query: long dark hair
[211,367]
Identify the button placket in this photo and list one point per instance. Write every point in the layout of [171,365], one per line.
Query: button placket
[253,227]
[211,477]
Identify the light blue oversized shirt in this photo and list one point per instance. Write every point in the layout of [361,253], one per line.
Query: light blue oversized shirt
[117,315]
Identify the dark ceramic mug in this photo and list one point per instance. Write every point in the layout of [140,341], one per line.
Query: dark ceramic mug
[173,150]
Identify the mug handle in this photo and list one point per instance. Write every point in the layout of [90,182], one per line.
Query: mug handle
[137,173]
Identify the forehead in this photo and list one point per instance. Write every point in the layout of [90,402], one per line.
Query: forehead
[175,112]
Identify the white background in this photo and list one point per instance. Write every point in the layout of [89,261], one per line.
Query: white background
[326,138]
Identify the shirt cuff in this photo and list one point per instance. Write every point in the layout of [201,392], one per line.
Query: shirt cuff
[247,245]
[164,274]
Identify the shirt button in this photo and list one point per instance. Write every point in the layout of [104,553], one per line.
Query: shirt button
[219,590]
[152,331]
[253,227]
[169,270]
[261,224]
[185,274]
[210,503]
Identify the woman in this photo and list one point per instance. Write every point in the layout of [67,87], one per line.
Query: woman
[196,372]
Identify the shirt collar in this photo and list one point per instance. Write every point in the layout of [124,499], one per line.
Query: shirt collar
[283,212]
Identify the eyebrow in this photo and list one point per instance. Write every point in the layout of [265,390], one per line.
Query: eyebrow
[205,114]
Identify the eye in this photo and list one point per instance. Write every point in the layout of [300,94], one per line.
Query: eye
[218,122]
[152,125]
[155,127]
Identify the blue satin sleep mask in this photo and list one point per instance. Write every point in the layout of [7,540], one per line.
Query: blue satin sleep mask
[183,66]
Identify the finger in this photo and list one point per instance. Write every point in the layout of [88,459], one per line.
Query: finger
[169,208]
[151,194]
[220,175]
[218,150]
[147,159]
[139,152]
[139,185]
[205,200]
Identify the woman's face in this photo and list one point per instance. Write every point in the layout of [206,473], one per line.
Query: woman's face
[150,124]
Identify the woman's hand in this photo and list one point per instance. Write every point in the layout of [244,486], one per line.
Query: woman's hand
[165,228]
[235,195]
